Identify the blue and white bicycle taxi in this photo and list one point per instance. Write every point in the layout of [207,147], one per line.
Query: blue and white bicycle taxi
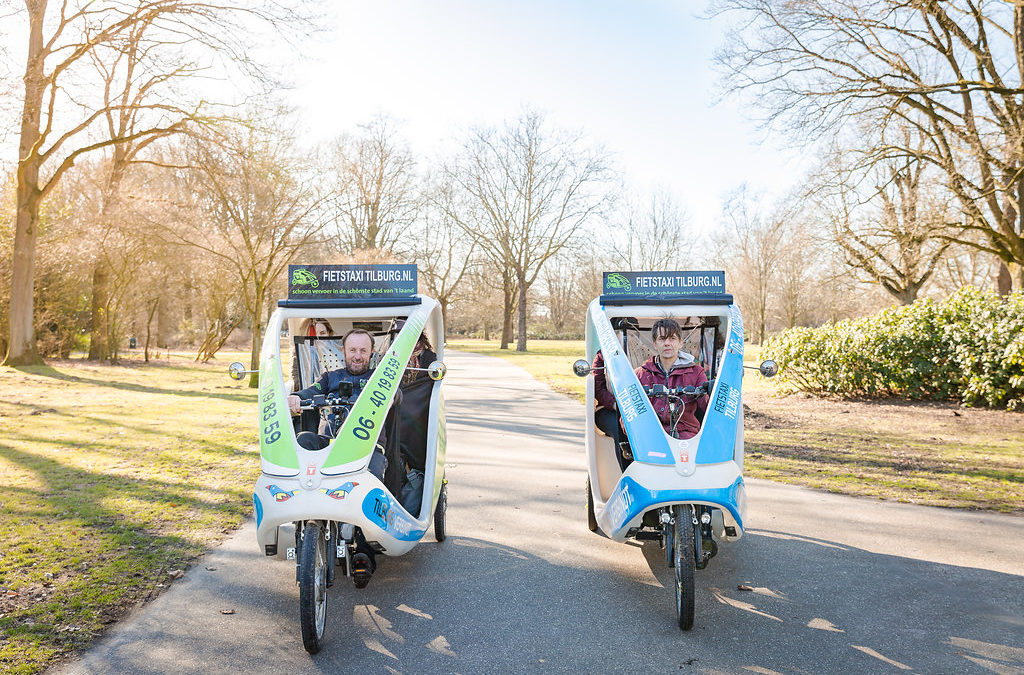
[330,496]
[687,494]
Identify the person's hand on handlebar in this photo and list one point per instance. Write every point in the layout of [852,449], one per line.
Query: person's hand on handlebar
[293,404]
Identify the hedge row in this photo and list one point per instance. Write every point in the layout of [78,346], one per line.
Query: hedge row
[969,347]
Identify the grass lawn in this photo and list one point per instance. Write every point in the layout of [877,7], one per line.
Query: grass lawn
[937,454]
[114,479]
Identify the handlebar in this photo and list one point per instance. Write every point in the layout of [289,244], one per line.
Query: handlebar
[689,390]
[325,401]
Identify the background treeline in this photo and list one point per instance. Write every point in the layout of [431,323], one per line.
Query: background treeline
[204,229]
[159,207]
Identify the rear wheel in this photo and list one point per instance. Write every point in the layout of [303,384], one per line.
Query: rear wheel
[591,518]
[683,557]
[313,585]
[440,511]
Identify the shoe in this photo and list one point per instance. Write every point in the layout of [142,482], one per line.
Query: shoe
[362,569]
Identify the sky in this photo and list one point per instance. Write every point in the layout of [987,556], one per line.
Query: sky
[636,76]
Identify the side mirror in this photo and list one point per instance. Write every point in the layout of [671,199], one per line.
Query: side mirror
[437,370]
[768,368]
[237,370]
[581,367]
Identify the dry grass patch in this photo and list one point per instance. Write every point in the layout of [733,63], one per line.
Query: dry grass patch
[114,476]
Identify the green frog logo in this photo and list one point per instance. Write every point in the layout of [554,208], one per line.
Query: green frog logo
[304,278]
[619,281]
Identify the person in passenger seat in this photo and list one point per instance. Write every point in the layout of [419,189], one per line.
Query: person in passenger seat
[411,496]
[320,328]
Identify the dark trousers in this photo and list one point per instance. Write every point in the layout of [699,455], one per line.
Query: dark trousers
[607,420]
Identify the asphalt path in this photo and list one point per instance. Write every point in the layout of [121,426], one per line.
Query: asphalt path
[836,584]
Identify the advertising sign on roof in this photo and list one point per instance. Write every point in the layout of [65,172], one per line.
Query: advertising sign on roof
[307,282]
[663,284]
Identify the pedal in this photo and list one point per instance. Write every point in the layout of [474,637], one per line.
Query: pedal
[649,535]
[289,554]
[626,450]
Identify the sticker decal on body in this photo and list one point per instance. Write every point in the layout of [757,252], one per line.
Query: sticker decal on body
[280,495]
[384,511]
[341,491]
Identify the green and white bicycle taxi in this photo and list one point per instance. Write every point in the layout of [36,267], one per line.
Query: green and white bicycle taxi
[330,496]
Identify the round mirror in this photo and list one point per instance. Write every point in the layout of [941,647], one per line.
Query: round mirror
[236,370]
[437,370]
[581,367]
[769,368]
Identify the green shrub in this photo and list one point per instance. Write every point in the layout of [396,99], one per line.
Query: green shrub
[969,347]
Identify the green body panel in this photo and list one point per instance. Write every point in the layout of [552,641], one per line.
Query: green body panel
[442,448]
[363,426]
[275,423]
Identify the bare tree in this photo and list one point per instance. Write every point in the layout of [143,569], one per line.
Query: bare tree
[797,273]
[442,250]
[376,195]
[966,266]
[536,189]
[897,234]
[478,307]
[952,70]
[61,112]
[255,210]
[570,281]
[653,236]
[757,244]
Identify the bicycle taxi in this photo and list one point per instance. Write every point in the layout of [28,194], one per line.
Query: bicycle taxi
[686,493]
[331,497]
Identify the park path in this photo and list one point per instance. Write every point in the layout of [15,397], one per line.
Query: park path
[836,583]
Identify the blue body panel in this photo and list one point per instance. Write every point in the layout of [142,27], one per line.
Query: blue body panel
[718,431]
[630,499]
[643,428]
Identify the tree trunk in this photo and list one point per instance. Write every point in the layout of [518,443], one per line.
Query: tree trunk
[149,324]
[21,348]
[761,321]
[163,323]
[521,338]
[257,331]
[1003,283]
[444,316]
[506,319]
[99,348]
[908,295]
[1016,274]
